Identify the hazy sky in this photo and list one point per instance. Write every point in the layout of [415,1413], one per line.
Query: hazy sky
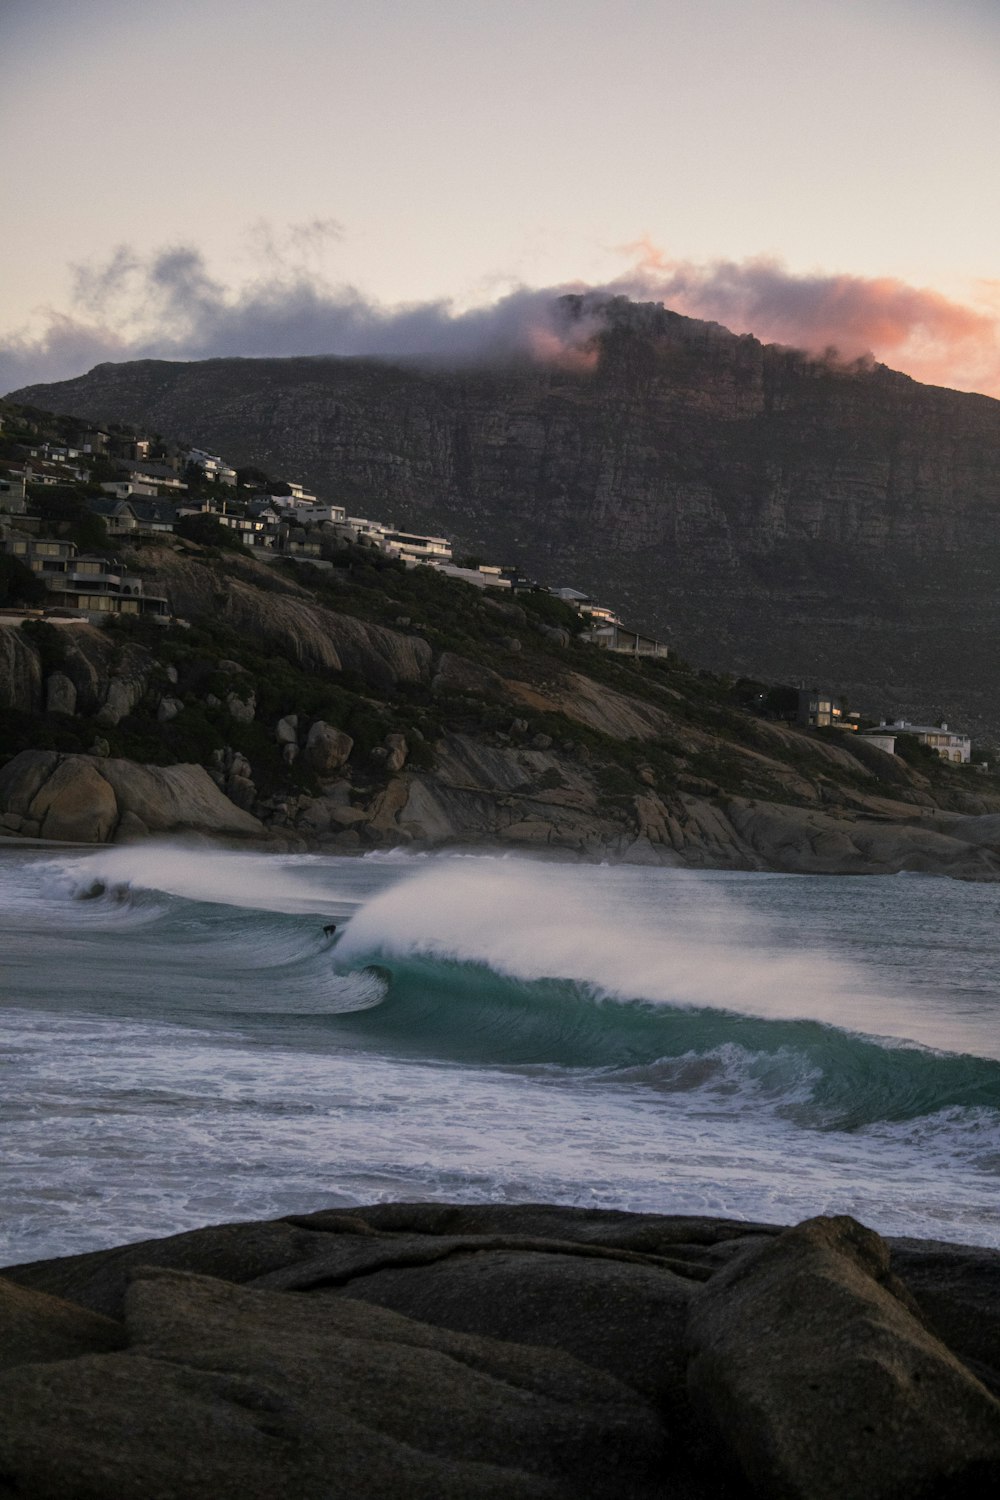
[234,176]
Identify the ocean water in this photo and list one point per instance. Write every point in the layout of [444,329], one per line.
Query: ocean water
[181,1044]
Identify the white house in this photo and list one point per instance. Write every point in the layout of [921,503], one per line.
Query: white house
[944,741]
[412,548]
[211,465]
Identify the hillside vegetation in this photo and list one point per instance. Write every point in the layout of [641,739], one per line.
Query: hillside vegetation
[371,704]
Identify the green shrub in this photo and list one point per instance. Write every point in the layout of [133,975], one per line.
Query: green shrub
[18,584]
[48,640]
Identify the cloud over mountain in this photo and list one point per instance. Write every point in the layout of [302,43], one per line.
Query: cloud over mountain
[168,305]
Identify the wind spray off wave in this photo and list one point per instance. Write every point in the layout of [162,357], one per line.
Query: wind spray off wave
[619,936]
[188,1044]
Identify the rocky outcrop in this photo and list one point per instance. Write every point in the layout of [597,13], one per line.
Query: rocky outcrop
[327,749]
[514,796]
[262,606]
[505,1351]
[21,672]
[97,674]
[93,800]
[780,516]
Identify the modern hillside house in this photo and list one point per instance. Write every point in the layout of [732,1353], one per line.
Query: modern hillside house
[88,583]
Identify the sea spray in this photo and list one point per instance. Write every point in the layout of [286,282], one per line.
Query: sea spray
[188,1044]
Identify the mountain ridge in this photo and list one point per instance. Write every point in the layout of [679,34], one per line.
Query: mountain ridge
[780,516]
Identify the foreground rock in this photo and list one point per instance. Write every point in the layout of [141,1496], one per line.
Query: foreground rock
[426,1351]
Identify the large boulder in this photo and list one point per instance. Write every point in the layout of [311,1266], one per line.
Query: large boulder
[457,674]
[60,694]
[226,1393]
[327,749]
[35,1326]
[814,1366]
[503,1350]
[90,799]
[76,804]
[21,673]
[171,798]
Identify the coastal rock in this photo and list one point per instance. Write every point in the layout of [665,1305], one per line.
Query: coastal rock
[261,606]
[241,791]
[37,1328]
[809,1359]
[807,841]
[75,804]
[60,694]
[456,674]
[383,815]
[596,705]
[131,829]
[398,750]
[242,709]
[23,777]
[505,1350]
[168,709]
[21,673]
[286,731]
[327,749]
[315,1400]
[85,799]
[124,691]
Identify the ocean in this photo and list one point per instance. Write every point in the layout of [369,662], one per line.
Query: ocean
[182,1043]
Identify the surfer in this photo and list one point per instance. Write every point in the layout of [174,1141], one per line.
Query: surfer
[329,929]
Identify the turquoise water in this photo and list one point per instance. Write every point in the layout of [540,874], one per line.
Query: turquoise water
[181,1043]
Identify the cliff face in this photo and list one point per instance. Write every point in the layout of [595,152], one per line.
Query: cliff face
[778,516]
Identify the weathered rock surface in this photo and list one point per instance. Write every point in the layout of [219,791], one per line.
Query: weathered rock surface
[263,607]
[327,749]
[97,674]
[36,1328]
[87,799]
[521,797]
[810,1362]
[21,675]
[506,1351]
[60,694]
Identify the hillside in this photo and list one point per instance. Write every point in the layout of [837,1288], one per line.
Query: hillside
[374,705]
[780,517]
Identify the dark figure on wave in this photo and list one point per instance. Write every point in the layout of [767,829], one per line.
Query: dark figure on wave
[329,929]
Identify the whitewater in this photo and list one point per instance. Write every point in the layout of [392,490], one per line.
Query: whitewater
[181,1043]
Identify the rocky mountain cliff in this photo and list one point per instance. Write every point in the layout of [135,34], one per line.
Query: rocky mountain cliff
[779,516]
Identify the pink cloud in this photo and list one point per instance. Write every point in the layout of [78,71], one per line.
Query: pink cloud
[914,329]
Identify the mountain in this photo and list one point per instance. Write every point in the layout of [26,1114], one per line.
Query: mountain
[778,516]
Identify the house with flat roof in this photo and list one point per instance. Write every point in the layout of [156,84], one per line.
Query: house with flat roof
[87,582]
[12,494]
[410,547]
[823,709]
[943,741]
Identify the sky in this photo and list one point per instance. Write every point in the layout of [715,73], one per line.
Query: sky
[424,177]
